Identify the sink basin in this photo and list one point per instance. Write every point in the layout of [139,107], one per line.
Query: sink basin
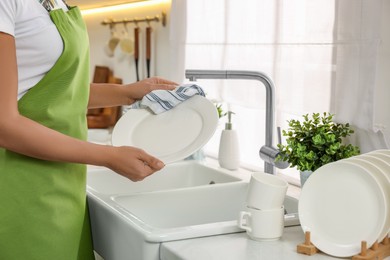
[173,211]
[180,214]
[174,176]
[130,222]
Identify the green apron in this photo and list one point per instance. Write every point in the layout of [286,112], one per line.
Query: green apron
[43,211]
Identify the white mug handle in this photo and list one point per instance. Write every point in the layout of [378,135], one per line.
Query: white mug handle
[244,224]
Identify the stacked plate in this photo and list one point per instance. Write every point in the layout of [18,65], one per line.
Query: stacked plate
[346,202]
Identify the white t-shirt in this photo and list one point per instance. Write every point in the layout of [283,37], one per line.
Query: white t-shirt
[38,43]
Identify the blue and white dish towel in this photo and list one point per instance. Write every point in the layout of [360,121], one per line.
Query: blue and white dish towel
[160,101]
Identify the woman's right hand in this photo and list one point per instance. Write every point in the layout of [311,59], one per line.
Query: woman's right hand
[132,163]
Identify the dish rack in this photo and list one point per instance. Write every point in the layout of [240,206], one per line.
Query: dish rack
[378,251]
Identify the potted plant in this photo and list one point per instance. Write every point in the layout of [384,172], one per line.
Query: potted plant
[314,142]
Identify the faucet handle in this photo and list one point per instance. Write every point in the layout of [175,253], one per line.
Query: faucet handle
[269,154]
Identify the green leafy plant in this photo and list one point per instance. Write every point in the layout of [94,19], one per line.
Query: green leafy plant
[315,141]
[221,113]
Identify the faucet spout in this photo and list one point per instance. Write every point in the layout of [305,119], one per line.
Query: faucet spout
[268,153]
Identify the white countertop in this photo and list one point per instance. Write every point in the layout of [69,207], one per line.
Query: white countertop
[238,246]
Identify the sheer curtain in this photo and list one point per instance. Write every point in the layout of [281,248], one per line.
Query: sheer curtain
[358,36]
[307,47]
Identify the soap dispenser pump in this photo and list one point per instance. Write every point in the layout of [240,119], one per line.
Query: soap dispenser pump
[229,154]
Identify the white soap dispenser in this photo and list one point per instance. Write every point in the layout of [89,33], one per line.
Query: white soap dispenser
[229,153]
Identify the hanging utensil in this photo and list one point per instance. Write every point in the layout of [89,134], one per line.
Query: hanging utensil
[110,46]
[126,43]
[136,50]
[148,48]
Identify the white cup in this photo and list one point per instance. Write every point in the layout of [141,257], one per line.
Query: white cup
[262,225]
[266,191]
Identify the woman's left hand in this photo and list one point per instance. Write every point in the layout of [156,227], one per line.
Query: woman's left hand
[138,90]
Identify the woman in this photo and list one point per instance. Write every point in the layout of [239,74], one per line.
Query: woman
[44,94]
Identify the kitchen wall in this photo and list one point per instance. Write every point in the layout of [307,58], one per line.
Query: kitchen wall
[123,64]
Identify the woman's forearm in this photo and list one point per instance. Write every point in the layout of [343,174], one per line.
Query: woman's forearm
[24,136]
[107,95]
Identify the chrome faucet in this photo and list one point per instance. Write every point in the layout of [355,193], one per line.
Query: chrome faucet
[267,152]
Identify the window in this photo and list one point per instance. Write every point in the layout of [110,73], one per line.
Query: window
[313,50]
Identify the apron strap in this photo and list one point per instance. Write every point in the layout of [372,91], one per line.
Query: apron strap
[50,5]
[66,4]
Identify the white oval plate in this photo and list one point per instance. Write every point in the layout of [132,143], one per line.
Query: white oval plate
[379,159]
[342,204]
[170,136]
[379,169]
[383,154]
[383,151]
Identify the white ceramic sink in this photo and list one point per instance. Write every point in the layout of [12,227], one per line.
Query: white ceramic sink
[130,221]
[174,176]
[180,214]
[172,211]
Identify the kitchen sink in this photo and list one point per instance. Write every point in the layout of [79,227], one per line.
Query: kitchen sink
[174,176]
[181,214]
[130,220]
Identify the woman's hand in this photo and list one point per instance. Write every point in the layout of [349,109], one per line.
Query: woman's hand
[132,163]
[138,90]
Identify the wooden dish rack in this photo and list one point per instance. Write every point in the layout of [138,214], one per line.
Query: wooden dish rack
[378,251]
